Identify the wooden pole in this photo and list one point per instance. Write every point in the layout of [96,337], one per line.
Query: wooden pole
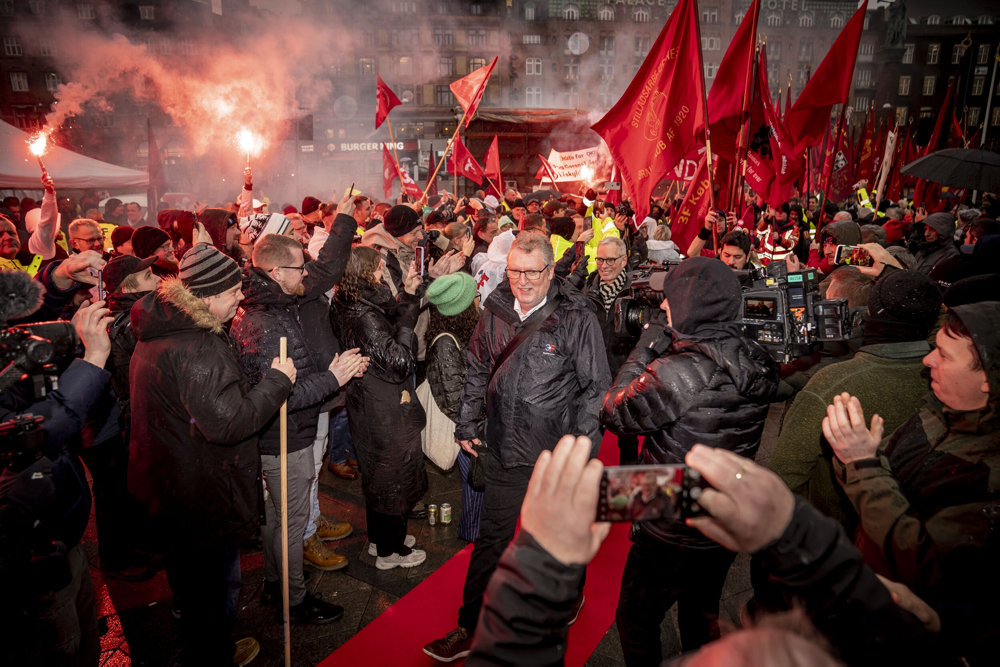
[445,155]
[283,423]
[828,168]
[395,155]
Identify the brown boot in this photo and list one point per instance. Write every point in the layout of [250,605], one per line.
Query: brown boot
[332,530]
[343,471]
[319,556]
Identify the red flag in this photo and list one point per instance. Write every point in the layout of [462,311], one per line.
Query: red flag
[466,163]
[690,217]
[432,185]
[866,153]
[614,196]
[729,98]
[408,185]
[771,170]
[939,137]
[661,116]
[545,170]
[491,163]
[470,88]
[385,100]
[389,171]
[842,175]
[829,85]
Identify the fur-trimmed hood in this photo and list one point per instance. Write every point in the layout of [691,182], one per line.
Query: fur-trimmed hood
[171,309]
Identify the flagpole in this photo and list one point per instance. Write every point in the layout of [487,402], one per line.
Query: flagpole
[708,133]
[445,154]
[395,155]
[739,177]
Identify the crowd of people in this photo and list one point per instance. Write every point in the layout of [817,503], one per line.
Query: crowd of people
[482,330]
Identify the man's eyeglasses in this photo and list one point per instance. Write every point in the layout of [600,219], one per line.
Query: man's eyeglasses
[607,260]
[530,274]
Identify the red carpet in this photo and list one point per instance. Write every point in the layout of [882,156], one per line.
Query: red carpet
[427,612]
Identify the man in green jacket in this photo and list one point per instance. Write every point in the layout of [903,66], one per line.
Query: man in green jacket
[886,375]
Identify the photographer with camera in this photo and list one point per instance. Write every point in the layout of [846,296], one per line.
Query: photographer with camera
[700,379]
[44,497]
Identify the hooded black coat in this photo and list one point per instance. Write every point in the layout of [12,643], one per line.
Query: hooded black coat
[701,381]
[550,386]
[382,407]
[193,459]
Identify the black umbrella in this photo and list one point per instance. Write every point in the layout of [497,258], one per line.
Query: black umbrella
[959,167]
[541,195]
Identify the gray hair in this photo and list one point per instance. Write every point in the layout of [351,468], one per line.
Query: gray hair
[618,244]
[533,241]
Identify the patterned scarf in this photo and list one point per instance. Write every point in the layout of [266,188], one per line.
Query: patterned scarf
[609,291]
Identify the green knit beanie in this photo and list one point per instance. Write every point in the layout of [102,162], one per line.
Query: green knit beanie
[453,293]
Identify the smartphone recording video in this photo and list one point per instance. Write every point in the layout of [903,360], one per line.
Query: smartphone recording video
[420,252]
[649,492]
[852,255]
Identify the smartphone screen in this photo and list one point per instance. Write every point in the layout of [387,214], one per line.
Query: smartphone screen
[853,255]
[421,251]
[649,492]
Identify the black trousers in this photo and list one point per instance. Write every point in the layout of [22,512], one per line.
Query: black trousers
[387,531]
[628,450]
[656,576]
[116,512]
[505,489]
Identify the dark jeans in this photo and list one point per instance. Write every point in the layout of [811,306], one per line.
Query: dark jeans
[505,489]
[206,587]
[116,513]
[387,532]
[656,576]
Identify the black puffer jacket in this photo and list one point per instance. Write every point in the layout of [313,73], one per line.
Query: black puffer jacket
[122,345]
[193,459]
[708,385]
[266,315]
[550,386]
[446,368]
[385,416]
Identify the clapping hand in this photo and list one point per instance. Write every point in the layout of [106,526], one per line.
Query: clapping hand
[845,430]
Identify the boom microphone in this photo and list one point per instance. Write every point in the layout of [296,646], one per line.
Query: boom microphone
[20,296]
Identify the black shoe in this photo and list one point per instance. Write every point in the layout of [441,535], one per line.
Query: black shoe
[130,573]
[418,512]
[314,611]
[270,594]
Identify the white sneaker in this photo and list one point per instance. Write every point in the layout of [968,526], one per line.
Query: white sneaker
[414,558]
[408,541]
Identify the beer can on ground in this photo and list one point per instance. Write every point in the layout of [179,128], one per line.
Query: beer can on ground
[432,515]
[445,514]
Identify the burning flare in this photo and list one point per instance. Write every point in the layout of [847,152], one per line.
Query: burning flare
[586,173]
[249,142]
[38,143]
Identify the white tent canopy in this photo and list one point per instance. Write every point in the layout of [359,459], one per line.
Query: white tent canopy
[69,170]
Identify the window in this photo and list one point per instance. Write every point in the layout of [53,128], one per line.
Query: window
[571,13]
[864,78]
[641,15]
[86,12]
[531,39]
[710,43]
[403,65]
[774,20]
[933,19]
[710,70]
[443,96]
[606,13]
[607,45]
[476,9]
[774,51]
[710,15]
[901,116]
[866,51]
[19,82]
[533,66]
[861,104]
[476,63]
[476,37]
[571,70]
[12,46]
[642,45]
[983,54]
[985,19]
[805,51]
[806,20]
[933,53]
[960,20]
[739,18]
[446,66]
[7,8]
[571,98]
[802,74]
[908,50]
[607,69]
[529,12]
[533,96]
[904,85]
[973,118]
[443,37]
[995,118]
[956,53]
[978,84]
[837,21]
[45,47]
[147,12]
[366,66]
[36,7]
[51,81]
[929,83]
[186,47]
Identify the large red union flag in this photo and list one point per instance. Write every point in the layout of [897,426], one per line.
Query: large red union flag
[661,116]
[690,217]
[829,85]
[385,100]
[771,169]
[462,163]
[470,88]
[729,98]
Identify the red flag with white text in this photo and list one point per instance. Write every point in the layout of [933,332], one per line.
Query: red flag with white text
[690,217]
[462,163]
[470,88]
[409,186]
[385,100]
[661,117]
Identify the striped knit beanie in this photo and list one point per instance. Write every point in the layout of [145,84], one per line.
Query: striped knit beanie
[206,272]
